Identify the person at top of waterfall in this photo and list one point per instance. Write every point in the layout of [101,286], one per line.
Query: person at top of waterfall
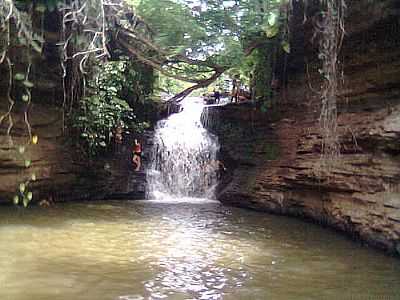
[217,96]
[252,87]
[137,155]
[235,89]
[118,137]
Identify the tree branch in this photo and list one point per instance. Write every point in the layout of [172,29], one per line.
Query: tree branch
[156,65]
[163,53]
[203,83]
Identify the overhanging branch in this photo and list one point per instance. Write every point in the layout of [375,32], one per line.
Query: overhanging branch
[204,83]
[164,54]
[156,65]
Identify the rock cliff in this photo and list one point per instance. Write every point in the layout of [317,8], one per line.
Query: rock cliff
[275,161]
[61,172]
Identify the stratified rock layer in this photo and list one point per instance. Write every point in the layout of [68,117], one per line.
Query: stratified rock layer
[274,160]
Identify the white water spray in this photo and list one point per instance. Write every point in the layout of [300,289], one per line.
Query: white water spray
[184,156]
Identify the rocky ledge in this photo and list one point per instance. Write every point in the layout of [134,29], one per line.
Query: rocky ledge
[277,167]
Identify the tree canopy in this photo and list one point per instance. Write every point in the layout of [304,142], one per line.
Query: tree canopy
[197,41]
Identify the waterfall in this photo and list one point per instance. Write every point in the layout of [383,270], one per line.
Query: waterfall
[184,156]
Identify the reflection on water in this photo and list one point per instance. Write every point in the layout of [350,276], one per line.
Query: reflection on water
[181,250]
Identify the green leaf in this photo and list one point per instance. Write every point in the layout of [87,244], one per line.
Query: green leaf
[16,199]
[28,84]
[27,163]
[36,47]
[22,187]
[19,76]
[33,177]
[272,31]
[38,38]
[103,144]
[25,202]
[29,196]
[21,149]
[286,46]
[272,19]
[25,98]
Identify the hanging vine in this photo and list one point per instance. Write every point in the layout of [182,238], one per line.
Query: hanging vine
[83,36]
[329,31]
[16,28]
[11,18]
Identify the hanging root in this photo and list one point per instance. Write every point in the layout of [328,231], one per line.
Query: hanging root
[21,21]
[330,30]
[85,26]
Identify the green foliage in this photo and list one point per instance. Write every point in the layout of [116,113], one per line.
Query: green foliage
[169,85]
[173,23]
[137,82]
[107,106]
[216,31]
[263,71]
[23,195]
[242,37]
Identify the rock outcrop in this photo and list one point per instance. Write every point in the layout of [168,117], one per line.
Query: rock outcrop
[275,158]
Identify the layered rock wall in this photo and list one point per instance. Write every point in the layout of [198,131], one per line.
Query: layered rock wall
[274,159]
[62,173]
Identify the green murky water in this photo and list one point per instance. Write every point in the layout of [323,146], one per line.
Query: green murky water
[181,250]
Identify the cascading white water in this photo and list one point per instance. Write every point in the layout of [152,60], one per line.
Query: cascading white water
[184,156]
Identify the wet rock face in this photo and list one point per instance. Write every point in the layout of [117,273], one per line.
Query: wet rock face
[274,160]
[62,174]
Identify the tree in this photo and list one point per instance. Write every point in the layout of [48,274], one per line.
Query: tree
[199,43]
